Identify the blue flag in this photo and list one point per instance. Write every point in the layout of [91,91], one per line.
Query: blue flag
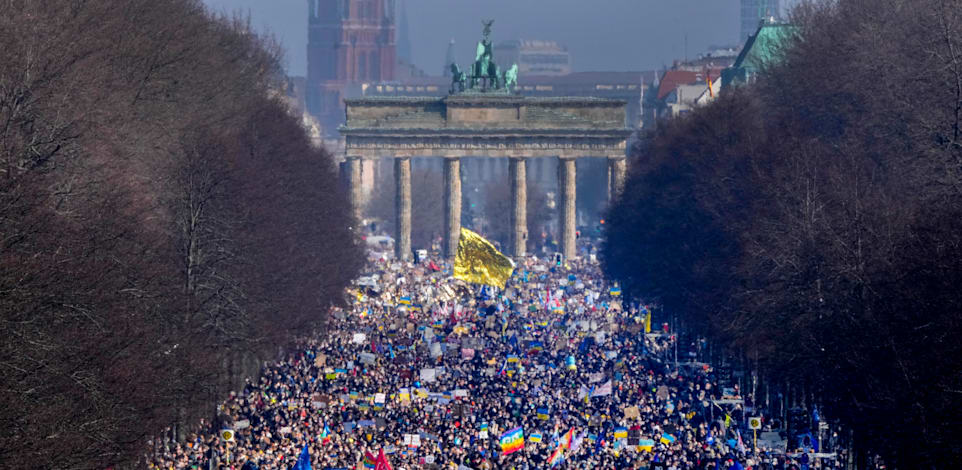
[304,461]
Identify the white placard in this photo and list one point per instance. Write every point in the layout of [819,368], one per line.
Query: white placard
[428,375]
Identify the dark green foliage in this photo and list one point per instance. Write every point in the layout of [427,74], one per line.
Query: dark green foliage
[811,220]
[166,224]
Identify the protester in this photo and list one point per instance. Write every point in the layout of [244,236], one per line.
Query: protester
[432,371]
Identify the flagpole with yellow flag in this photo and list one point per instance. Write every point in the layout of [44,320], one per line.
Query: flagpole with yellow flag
[478,261]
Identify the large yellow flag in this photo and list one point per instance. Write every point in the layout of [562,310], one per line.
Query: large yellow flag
[478,261]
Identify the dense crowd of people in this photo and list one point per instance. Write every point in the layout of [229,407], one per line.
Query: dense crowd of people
[431,372]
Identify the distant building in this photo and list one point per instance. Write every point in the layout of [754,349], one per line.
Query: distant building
[627,86]
[449,58]
[545,58]
[293,97]
[760,49]
[686,85]
[349,42]
[403,33]
[753,12]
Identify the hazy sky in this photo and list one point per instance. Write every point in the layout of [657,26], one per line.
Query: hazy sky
[600,34]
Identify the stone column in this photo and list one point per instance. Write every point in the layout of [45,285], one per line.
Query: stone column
[617,166]
[452,206]
[567,191]
[355,189]
[402,205]
[517,173]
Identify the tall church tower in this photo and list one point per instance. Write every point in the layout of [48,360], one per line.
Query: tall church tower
[350,42]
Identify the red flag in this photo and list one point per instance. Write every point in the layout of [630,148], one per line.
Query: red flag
[382,463]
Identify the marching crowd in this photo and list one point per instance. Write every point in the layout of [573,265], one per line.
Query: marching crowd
[426,371]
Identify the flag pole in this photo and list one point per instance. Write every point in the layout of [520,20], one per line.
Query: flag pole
[755,440]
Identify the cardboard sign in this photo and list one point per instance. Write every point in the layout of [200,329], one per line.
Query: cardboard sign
[428,375]
[632,412]
[359,338]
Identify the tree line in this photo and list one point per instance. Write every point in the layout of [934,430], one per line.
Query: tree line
[165,224]
[811,221]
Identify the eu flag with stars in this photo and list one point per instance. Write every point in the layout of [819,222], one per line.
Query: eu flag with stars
[304,461]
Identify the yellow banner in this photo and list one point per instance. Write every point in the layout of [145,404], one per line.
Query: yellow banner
[478,261]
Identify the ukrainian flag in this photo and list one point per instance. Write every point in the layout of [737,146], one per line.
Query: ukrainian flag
[667,439]
[535,437]
[405,300]
[543,414]
[615,291]
[647,445]
[621,432]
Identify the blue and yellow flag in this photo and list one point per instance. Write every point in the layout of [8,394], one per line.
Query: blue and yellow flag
[479,262]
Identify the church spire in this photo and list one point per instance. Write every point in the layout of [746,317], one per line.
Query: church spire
[403,35]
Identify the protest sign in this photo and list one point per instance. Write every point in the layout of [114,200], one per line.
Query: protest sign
[428,375]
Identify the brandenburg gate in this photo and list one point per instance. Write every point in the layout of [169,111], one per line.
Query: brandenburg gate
[484,120]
